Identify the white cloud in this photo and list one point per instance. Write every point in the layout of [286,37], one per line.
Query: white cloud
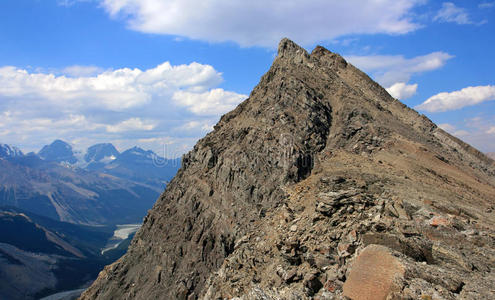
[390,69]
[214,102]
[478,131]
[452,14]
[458,99]
[115,90]
[264,23]
[130,125]
[62,125]
[195,125]
[167,146]
[447,127]
[401,90]
[68,3]
[487,5]
[122,106]
[453,130]
[164,140]
[395,71]
[79,71]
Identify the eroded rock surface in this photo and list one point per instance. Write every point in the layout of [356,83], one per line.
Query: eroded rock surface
[304,188]
[375,274]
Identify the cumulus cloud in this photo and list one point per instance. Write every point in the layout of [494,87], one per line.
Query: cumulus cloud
[458,99]
[69,3]
[453,130]
[114,90]
[264,23]
[390,69]
[447,127]
[131,124]
[452,14]
[194,125]
[401,90]
[125,105]
[79,71]
[478,131]
[487,5]
[214,102]
[395,71]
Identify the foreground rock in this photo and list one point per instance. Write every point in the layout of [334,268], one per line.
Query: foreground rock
[375,274]
[320,185]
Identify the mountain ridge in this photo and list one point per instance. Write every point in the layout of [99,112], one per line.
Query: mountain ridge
[318,167]
[105,190]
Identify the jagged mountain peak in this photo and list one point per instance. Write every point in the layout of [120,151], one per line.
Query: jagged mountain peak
[61,144]
[137,153]
[291,51]
[281,198]
[100,152]
[58,151]
[8,151]
[287,48]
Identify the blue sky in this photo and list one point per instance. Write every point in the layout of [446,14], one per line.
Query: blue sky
[160,73]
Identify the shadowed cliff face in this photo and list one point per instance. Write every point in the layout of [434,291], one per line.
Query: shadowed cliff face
[264,205]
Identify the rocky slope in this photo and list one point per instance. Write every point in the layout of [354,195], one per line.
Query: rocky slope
[319,185]
[39,256]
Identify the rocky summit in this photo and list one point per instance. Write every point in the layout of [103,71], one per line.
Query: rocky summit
[319,186]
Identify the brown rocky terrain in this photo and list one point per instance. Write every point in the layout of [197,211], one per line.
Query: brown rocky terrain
[320,185]
[491,155]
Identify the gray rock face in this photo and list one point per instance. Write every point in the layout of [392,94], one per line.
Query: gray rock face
[281,198]
[58,151]
[100,152]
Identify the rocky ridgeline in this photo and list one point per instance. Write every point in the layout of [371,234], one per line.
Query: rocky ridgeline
[322,186]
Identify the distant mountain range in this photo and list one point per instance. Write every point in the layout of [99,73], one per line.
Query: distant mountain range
[40,256]
[101,186]
[491,155]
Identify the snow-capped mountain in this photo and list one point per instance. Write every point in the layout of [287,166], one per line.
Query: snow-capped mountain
[98,186]
[105,153]
[143,166]
[98,156]
[7,151]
